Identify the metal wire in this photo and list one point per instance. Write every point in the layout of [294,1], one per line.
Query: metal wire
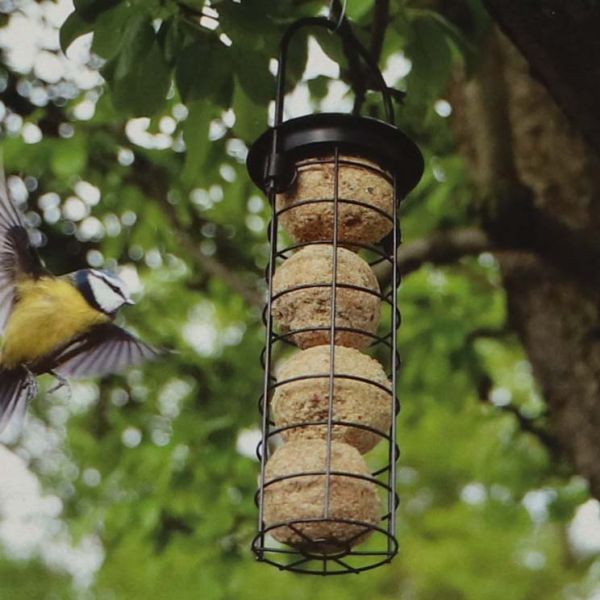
[268,359]
[342,13]
[330,556]
[345,558]
[332,336]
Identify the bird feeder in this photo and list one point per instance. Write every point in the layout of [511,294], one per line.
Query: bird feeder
[326,497]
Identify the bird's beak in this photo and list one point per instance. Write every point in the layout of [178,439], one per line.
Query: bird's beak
[129,301]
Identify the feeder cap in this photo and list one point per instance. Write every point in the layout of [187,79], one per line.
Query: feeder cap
[318,134]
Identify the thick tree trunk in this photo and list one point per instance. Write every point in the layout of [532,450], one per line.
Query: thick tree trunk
[555,310]
[558,318]
[561,42]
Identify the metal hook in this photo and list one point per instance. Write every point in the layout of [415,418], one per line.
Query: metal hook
[342,14]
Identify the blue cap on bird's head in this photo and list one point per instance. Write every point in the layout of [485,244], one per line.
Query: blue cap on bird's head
[103,289]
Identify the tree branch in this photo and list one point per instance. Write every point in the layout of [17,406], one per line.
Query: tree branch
[152,182]
[381,19]
[440,248]
[209,264]
[213,267]
[530,426]
[484,387]
[355,72]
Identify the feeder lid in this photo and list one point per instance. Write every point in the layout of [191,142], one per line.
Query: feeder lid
[318,134]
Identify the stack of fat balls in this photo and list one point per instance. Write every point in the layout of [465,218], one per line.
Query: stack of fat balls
[304,507]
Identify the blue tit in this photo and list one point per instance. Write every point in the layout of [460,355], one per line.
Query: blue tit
[61,325]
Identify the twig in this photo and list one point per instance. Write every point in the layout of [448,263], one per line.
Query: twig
[209,264]
[355,72]
[485,385]
[381,19]
[529,425]
[441,247]
[213,267]
[153,183]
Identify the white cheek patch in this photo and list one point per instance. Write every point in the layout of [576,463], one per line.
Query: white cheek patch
[105,296]
[113,282]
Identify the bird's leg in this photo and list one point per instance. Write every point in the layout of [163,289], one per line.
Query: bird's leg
[61,383]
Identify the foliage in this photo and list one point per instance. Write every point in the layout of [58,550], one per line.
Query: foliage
[172,502]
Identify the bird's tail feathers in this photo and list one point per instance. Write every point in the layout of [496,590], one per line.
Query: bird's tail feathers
[17,388]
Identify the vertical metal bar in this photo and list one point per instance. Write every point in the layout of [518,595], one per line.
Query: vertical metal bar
[394,360]
[268,359]
[333,305]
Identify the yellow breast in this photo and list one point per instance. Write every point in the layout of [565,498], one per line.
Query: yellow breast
[49,313]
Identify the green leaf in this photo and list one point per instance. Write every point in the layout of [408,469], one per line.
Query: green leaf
[252,73]
[357,9]
[454,35]
[250,118]
[331,45]
[139,75]
[242,21]
[298,55]
[195,135]
[431,59]
[172,38]
[138,37]
[109,30]
[82,20]
[203,71]
[90,9]
[74,27]
[319,86]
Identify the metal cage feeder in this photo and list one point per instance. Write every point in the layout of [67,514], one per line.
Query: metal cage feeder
[334,182]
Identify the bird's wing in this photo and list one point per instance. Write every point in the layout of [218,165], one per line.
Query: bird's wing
[106,349]
[18,257]
[17,388]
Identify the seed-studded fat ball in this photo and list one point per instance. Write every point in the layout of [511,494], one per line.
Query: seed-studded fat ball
[361,181]
[310,307]
[307,400]
[303,497]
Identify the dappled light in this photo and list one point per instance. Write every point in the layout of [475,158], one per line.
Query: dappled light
[124,139]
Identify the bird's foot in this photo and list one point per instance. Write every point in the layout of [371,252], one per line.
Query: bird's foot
[31,383]
[62,382]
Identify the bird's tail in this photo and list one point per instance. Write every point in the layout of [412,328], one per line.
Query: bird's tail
[17,388]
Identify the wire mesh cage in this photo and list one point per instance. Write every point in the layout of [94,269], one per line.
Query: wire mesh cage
[327,488]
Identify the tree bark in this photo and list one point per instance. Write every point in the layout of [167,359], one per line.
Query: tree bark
[556,313]
[558,318]
[561,43]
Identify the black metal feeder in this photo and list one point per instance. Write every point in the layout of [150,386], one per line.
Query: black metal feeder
[327,498]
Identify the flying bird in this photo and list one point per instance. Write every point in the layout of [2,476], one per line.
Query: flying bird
[62,325]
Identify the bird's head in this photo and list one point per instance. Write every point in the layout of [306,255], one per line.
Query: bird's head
[103,290]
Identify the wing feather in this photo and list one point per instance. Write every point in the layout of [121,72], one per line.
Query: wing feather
[17,387]
[17,256]
[106,349]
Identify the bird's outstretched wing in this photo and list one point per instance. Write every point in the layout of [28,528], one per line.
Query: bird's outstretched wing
[17,388]
[18,258]
[105,349]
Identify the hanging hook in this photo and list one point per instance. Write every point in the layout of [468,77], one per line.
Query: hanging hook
[342,13]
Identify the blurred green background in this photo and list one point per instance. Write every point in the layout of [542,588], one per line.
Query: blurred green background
[141,486]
